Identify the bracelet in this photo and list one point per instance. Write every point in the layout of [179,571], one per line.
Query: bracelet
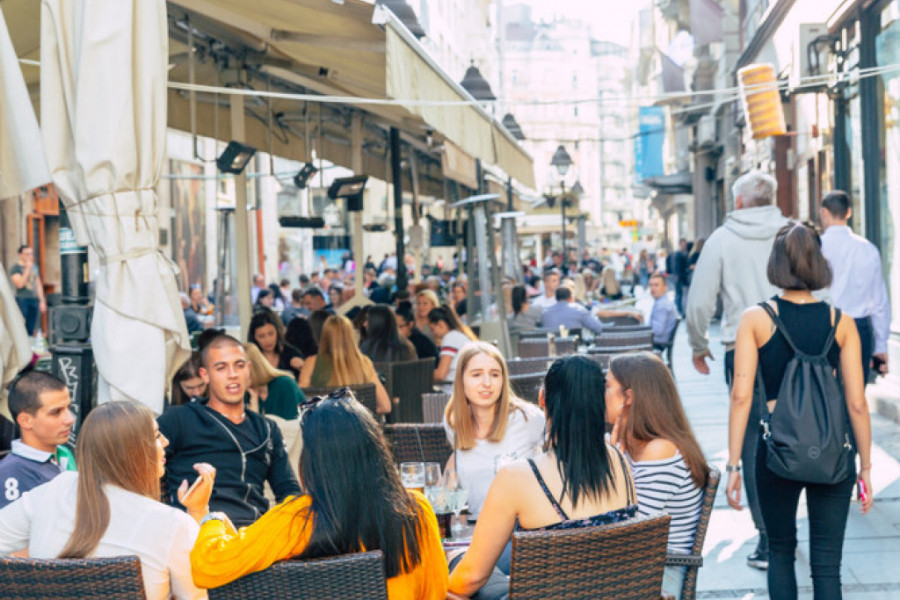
[213,516]
[733,468]
[866,468]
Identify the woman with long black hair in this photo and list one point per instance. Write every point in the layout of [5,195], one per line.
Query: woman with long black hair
[383,342]
[266,332]
[354,501]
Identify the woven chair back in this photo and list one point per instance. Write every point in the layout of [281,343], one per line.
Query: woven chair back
[631,339]
[565,345]
[689,587]
[622,560]
[408,381]
[433,406]
[527,366]
[527,386]
[621,320]
[534,347]
[348,577]
[418,442]
[116,578]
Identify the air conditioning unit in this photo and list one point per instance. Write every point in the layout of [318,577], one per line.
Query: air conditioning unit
[811,54]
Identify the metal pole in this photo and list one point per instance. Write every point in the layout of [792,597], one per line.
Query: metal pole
[72,358]
[241,221]
[397,177]
[356,164]
[562,205]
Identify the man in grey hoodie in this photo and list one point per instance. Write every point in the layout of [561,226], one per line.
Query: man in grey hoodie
[733,265]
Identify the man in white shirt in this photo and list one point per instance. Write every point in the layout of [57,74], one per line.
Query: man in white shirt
[857,286]
[548,298]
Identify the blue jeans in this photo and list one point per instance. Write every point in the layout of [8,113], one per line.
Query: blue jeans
[827,507]
[30,310]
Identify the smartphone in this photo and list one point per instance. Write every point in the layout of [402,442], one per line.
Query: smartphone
[862,492]
[193,487]
[878,365]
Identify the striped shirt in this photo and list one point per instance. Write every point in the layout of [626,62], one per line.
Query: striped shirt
[666,486]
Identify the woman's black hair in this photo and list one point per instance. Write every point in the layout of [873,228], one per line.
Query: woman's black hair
[359,323]
[443,313]
[276,291]
[519,297]
[261,319]
[316,320]
[299,334]
[263,293]
[574,390]
[383,342]
[357,500]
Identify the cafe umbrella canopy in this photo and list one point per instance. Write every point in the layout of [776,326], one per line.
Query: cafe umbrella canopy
[22,168]
[103,116]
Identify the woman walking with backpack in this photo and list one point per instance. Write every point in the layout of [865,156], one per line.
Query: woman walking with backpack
[809,433]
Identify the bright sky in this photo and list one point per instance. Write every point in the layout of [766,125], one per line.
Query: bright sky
[610,19]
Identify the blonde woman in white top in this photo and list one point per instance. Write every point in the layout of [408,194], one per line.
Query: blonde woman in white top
[116,512]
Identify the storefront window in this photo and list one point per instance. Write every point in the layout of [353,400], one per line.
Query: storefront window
[887,52]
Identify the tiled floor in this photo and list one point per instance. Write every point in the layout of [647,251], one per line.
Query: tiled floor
[871,567]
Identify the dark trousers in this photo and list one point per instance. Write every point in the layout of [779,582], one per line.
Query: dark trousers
[748,455]
[867,342]
[30,310]
[827,507]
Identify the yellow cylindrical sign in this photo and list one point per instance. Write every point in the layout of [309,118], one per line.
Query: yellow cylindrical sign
[761,100]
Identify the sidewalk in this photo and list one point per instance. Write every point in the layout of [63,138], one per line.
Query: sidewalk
[872,544]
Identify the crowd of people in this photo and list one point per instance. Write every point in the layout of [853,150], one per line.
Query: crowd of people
[244,469]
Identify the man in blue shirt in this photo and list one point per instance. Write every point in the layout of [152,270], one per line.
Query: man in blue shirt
[570,315]
[39,403]
[663,316]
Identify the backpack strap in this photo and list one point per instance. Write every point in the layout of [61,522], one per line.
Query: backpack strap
[779,325]
[831,334]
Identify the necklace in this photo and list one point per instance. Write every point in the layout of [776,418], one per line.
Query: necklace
[795,300]
[237,420]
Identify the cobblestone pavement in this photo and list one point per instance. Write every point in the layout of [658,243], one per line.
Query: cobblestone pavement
[871,565]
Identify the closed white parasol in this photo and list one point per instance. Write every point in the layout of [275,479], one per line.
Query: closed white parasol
[103,116]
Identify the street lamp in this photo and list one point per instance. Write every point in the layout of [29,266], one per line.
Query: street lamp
[561,162]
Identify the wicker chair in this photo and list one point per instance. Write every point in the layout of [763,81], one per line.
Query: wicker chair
[565,345]
[365,394]
[417,442]
[433,405]
[621,320]
[116,578]
[534,347]
[694,560]
[633,339]
[627,328]
[526,386]
[348,577]
[406,381]
[667,347]
[623,561]
[526,366]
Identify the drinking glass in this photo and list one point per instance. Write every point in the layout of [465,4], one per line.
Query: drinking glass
[433,489]
[456,495]
[412,476]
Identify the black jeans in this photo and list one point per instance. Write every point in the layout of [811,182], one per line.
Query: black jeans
[30,308]
[748,456]
[867,344]
[827,507]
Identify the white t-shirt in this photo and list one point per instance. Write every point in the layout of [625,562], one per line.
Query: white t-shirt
[42,520]
[451,344]
[476,467]
[543,302]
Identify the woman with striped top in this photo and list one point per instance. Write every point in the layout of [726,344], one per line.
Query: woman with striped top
[666,461]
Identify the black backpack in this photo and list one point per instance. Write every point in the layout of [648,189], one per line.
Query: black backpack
[808,437]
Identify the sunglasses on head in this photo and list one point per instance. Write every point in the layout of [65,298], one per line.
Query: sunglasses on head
[308,405]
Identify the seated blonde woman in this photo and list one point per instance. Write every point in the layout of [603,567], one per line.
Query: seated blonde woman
[272,392]
[340,363]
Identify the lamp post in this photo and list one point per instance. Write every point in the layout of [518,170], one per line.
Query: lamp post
[561,162]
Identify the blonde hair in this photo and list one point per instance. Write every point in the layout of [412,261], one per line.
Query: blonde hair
[116,446]
[261,370]
[337,341]
[609,286]
[459,415]
[431,296]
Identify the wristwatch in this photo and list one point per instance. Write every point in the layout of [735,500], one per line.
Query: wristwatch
[214,516]
[733,468]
